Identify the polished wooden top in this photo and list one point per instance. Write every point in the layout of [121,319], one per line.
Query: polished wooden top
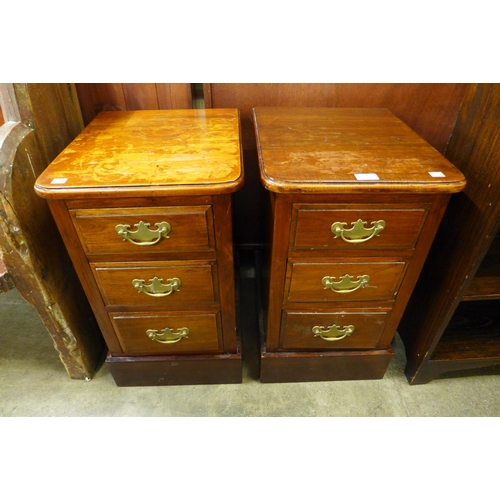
[133,153]
[325,150]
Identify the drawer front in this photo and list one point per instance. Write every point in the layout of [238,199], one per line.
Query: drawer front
[323,227]
[150,230]
[165,284]
[346,281]
[148,334]
[335,330]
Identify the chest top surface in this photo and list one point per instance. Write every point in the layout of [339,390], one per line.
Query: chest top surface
[149,152]
[328,150]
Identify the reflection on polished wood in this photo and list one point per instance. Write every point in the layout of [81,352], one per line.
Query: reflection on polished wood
[182,152]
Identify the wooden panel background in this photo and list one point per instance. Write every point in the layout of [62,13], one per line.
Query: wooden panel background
[430,109]
[97,97]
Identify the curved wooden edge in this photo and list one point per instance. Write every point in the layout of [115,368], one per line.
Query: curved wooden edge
[11,135]
[137,191]
[359,187]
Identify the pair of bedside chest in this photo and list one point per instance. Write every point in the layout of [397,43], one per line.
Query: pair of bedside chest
[143,202]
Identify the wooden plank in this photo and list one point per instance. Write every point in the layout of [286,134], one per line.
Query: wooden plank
[108,97]
[8,104]
[56,117]
[96,97]
[85,101]
[33,252]
[72,116]
[140,96]
[182,96]
[164,94]
[174,95]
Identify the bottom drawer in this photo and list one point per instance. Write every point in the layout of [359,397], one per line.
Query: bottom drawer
[332,330]
[167,333]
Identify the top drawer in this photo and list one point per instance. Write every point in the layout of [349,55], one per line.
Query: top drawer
[329,226]
[150,230]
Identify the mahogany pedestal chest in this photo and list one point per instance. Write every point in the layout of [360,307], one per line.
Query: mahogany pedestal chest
[143,202]
[356,198]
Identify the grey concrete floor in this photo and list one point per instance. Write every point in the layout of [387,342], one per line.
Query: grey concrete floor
[34,383]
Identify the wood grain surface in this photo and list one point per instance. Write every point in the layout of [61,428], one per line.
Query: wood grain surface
[176,151]
[327,150]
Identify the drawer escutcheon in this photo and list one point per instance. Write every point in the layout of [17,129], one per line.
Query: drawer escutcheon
[332,333]
[167,335]
[346,283]
[358,232]
[157,288]
[144,236]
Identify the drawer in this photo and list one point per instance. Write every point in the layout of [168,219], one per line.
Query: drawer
[171,229]
[332,330]
[143,333]
[345,281]
[162,284]
[327,227]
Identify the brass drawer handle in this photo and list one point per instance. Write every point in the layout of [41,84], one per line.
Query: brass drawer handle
[358,232]
[346,283]
[167,335]
[157,288]
[332,333]
[144,236]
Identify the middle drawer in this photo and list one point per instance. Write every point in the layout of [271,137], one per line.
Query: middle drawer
[162,284]
[343,281]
